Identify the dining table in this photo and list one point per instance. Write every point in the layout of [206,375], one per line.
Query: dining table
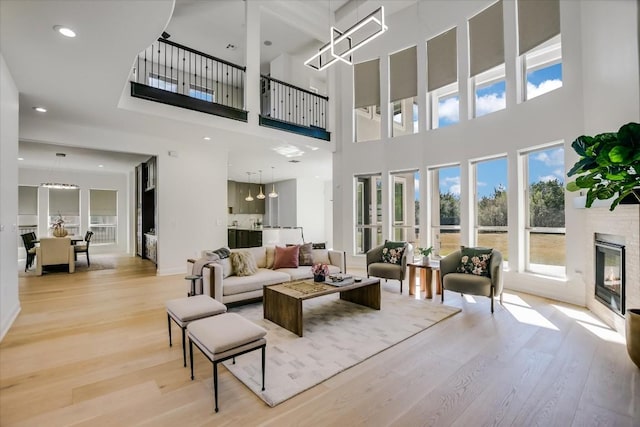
[74,239]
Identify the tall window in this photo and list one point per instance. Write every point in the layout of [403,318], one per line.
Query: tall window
[442,79]
[539,45]
[491,222]
[368,212]
[65,203]
[103,215]
[490,89]
[163,82]
[406,209]
[445,217]
[366,84]
[202,93]
[486,59]
[403,91]
[545,225]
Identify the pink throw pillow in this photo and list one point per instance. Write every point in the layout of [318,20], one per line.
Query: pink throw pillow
[286,257]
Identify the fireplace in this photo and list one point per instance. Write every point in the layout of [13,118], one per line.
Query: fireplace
[609,257]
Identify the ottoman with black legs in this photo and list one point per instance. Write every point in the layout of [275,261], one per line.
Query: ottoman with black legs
[225,337]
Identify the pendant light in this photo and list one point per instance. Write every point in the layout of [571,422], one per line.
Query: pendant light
[58,185]
[273,193]
[249,198]
[261,195]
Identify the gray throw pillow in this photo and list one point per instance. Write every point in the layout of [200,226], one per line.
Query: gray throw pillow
[305,254]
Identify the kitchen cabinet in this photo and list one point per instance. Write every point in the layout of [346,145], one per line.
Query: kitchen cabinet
[243,238]
[236,195]
[146,210]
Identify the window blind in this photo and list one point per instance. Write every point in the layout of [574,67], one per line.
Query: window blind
[103,202]
[27,200]
[366,83]
[64,202]
[486,39]
[442,60]
[403,74]
[538,21]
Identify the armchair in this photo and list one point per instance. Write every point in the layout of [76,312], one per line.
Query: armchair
[472,284]
[378,268]
[54,251]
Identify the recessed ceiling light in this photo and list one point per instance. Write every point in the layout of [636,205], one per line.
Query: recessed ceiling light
[40,109]
[100,166]
[268,43]
[20,158]
[207,138]
[65,31]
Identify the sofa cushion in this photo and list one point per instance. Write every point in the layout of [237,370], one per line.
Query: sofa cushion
[243,263]
[304,272]
[286,257]
[305,255]
[259,255]
[241,284]
[392,252]
[320,256]
[475,261]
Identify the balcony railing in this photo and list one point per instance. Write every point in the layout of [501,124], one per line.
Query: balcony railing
[293,109]
[177,75]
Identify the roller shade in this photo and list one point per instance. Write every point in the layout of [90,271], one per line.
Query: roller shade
[103,202]
[64,202]
[538,21]
[486,40]
[366,83]
[403,74]
[442,60]
[27,200]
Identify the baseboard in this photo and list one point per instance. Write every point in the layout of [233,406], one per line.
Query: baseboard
[12,318]
[171,271]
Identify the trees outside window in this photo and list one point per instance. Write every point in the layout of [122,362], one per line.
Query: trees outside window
[445,215]
[368,212]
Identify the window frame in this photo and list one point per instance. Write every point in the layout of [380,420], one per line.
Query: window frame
[484,80]
[435,97]
[543,56]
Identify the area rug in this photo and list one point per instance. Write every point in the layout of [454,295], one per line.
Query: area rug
[337,336]
[81,266]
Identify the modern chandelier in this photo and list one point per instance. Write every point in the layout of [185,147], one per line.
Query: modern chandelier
[343,43]
[59,185]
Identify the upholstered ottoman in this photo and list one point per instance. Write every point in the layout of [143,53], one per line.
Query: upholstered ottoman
[224,337]
[186,310]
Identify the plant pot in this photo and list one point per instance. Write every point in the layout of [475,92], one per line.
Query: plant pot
[633,334]
[319,278]
[60,232]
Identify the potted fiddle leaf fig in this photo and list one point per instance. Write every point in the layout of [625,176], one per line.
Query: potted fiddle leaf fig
[609,166]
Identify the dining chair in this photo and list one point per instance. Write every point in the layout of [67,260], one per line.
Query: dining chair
[54,251]
[30,248]
[84,248]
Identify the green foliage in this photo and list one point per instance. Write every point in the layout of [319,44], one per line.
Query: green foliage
[546,204]
[609,165]
[492,210]
[425,251]
[449,209]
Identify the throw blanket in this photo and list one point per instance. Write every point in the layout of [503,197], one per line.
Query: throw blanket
[199,264]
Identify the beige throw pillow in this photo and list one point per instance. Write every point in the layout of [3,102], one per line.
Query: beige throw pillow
[320,256]
[243,263]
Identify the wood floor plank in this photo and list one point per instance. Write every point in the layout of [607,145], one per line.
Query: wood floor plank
[91,349]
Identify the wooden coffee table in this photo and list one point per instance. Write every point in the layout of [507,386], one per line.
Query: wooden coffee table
[282,303]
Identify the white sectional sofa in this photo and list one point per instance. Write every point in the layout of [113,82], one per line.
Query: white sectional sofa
[221,284]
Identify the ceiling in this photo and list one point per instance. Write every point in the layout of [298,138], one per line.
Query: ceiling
[86,76]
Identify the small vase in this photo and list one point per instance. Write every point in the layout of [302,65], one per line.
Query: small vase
[319,278]
[633,334]
[60,232]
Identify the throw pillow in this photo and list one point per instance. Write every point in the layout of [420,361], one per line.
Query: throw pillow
[392,252]
[305,256]
[321,256]
[227,269]
[475,261]
[222,252]
[271,255]
[286,257]
[243,263]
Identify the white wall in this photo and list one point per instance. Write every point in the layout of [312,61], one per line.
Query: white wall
[556,116]
[9,300]
[86,180]
[311,208]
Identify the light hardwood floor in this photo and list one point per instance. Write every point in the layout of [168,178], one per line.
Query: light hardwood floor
[92,349]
